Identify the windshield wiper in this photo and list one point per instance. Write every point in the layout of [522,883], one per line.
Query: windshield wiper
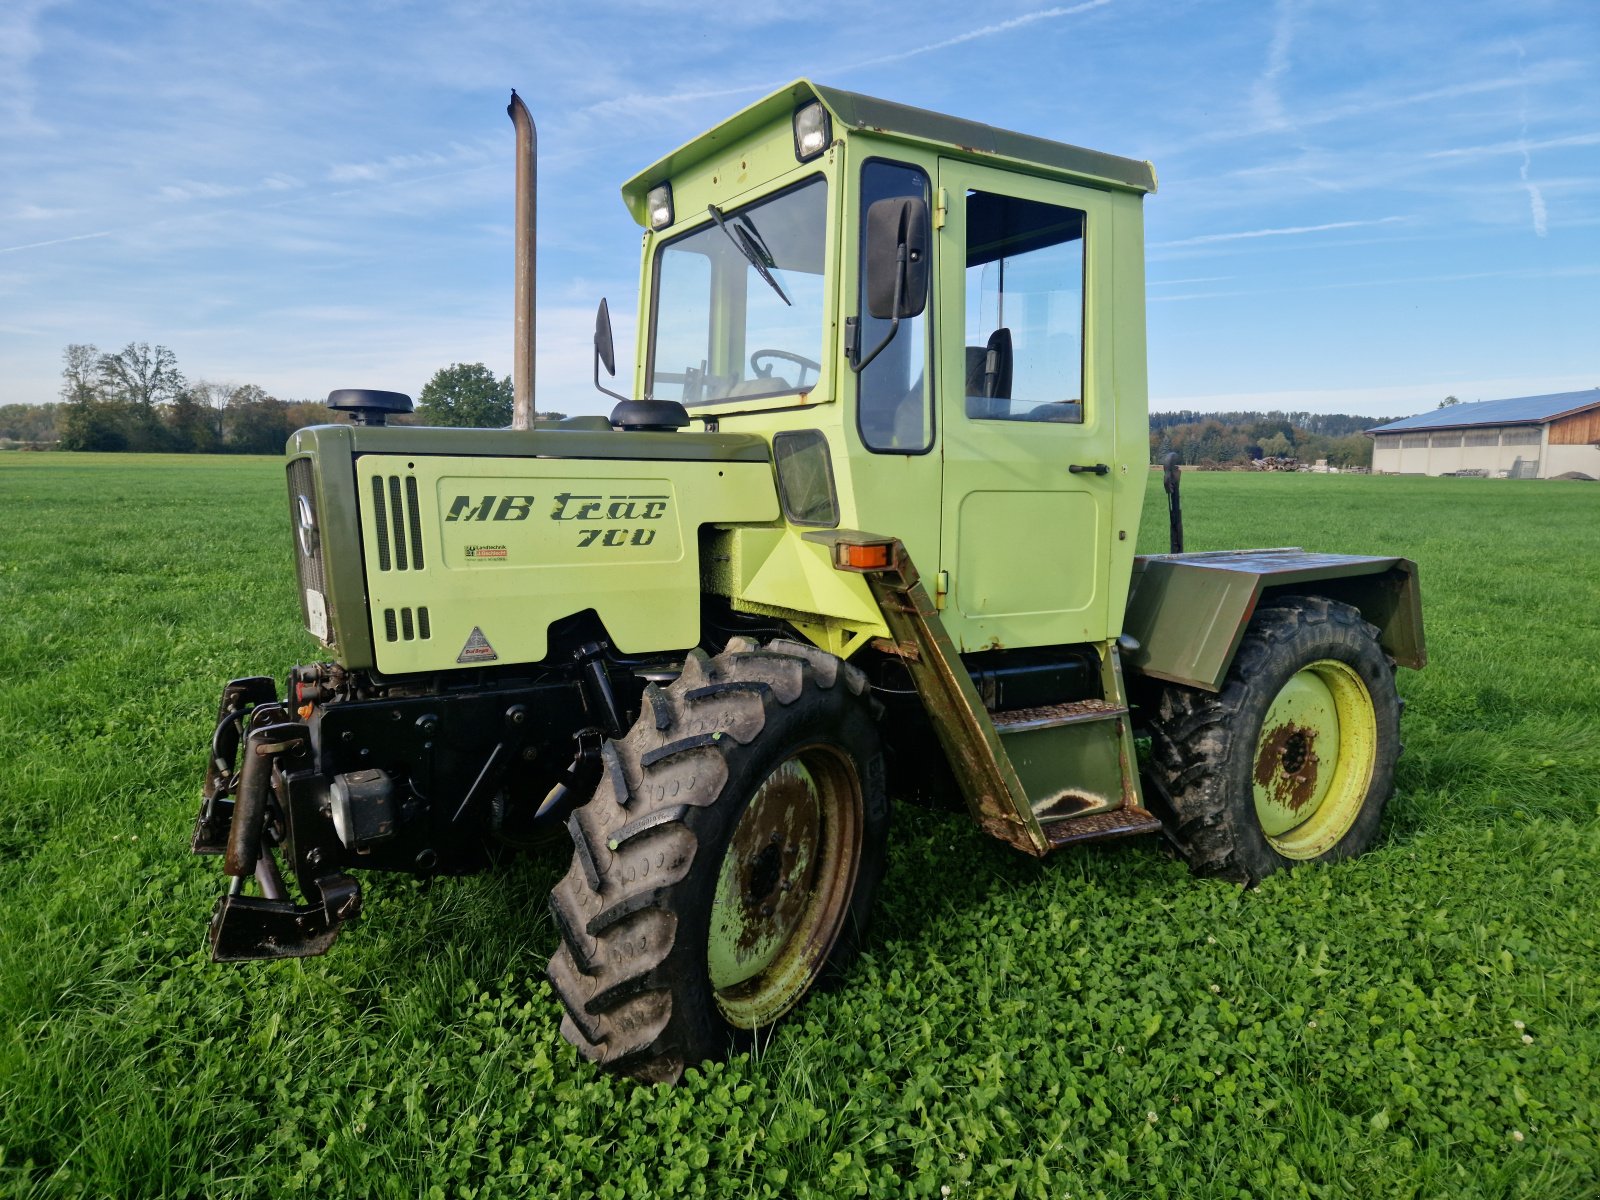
[753,248]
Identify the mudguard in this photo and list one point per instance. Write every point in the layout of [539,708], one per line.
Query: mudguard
[1187,612]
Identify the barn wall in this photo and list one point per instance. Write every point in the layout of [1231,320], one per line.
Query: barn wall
[1558,460]
[1493,449]
[1569,444]
[1580,429]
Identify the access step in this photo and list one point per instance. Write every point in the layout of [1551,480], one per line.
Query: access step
[1100,827]
[1051,716]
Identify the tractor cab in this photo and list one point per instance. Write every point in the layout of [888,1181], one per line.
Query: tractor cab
[938,325]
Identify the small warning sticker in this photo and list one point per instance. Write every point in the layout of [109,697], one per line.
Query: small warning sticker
[477,649]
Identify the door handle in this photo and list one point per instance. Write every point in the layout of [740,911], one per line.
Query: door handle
[1089,469]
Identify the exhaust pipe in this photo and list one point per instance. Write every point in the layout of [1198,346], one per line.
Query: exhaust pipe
[522,412]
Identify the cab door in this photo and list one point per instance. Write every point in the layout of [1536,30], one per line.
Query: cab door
[1025,398]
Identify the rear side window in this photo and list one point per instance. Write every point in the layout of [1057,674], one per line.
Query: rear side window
[1024,306]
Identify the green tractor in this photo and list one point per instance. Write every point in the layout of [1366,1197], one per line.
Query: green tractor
[863,525]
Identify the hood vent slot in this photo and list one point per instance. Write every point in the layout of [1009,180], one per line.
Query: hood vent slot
[397,512]
[406,625]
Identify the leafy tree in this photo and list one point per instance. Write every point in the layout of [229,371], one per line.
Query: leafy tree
[214,397]
[89,419]
[254,422]
[466,394]
[301,413]
[141,374]
[30,423]
[92,424]
[191,425]
[1352,450]
[1277,446]
[80,373]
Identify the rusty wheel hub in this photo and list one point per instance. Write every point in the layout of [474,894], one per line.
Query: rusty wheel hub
[1314,759]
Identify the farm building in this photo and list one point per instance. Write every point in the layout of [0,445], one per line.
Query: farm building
[1530,437]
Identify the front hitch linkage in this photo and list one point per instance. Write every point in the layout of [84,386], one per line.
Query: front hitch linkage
[234,821]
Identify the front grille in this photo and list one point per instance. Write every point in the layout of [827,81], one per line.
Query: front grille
[398,516]
[308,565]
[406,624]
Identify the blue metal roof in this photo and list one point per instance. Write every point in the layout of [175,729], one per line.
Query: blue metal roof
[1523,410]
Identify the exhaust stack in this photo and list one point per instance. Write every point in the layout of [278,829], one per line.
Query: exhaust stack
[522,412]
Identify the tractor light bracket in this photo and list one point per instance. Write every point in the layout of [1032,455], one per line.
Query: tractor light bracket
[858,552]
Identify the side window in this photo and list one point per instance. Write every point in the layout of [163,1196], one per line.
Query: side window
[1024,306]
[892,406]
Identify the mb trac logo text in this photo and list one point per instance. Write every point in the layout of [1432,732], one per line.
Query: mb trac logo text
[593,514]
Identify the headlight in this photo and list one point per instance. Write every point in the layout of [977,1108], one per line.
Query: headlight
[658,206]
[812,131]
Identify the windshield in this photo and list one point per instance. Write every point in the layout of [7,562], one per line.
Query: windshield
[738,302]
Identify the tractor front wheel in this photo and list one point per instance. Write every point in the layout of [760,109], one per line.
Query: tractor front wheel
[1293,760]
[727,861]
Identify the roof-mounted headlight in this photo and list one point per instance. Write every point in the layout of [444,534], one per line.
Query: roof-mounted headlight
[658,206]
[812,131]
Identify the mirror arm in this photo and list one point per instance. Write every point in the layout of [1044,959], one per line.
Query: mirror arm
[600,387]
[859,365]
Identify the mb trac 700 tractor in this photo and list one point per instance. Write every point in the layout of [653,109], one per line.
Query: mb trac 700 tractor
[862,526]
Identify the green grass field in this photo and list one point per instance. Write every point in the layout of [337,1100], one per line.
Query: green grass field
[1424,1021]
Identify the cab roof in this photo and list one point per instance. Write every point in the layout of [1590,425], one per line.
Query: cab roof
[884,118]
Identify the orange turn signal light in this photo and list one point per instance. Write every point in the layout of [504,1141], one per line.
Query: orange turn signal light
[873,557]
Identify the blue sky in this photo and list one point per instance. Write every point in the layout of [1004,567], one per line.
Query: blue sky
[1364,206]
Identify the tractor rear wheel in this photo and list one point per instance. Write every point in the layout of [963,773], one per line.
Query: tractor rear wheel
[727,861]
[1293,760]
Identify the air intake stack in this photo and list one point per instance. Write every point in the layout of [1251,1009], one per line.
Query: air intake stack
[522,412]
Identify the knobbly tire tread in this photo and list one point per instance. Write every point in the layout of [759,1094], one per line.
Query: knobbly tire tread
[1203,745]
[634,906]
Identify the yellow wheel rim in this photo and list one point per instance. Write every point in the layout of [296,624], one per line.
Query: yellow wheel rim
[1314,759]
[784,887]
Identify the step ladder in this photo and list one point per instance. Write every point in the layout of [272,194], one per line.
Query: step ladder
[1036,778]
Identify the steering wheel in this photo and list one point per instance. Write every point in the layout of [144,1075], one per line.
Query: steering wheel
[805,364]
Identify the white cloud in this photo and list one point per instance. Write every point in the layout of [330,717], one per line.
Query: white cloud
[972,35]
[80,237]
[20,43]
[1291,231]
[1265,98]
[1519,146]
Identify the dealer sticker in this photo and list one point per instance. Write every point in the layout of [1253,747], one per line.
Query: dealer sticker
[486,552]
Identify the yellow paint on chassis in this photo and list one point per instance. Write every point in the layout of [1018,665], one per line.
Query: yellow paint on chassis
[510,545]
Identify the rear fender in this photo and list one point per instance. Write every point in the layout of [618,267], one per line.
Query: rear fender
[1187,612]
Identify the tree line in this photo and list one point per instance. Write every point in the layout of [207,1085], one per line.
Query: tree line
[137,400]
[1225,438]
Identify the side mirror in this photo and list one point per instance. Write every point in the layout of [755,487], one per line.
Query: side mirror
[897,257]
[604,352]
